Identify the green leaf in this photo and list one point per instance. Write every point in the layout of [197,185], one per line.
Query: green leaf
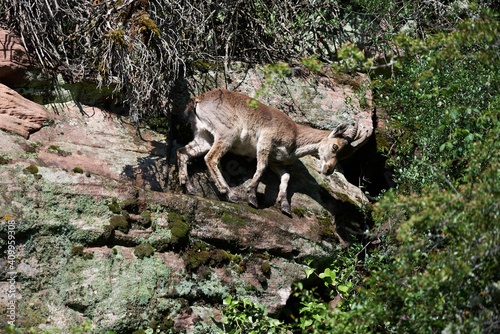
[343,288]
[228,301]
[328,273]
[307,322]
[309,272]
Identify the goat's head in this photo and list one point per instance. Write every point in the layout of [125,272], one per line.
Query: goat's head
[334,144]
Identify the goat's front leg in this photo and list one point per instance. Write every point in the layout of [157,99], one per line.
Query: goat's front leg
[283,194]
[262,161]
[196,148]
[212,160]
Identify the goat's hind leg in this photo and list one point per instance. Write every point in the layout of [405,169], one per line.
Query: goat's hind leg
[283,192]
[196,148]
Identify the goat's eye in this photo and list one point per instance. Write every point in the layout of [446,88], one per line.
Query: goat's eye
[335,148]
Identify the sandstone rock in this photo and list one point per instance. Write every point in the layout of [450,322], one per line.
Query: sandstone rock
[102,144]
[19,115]
[74,268]
[13,58]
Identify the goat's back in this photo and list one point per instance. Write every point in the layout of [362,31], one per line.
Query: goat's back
[223,112]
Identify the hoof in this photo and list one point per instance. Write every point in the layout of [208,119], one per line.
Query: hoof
[232,198]
[285,208]
[252,200]
[189,188]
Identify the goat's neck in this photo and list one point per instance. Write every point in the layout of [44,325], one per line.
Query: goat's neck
[308,140]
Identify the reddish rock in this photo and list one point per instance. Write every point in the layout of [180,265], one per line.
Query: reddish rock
[100,144]
[19,115]
[13,58]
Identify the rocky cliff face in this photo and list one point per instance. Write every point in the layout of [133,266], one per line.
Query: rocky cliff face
[105,234]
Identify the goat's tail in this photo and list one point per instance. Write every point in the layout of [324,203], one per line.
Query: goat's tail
[190,110]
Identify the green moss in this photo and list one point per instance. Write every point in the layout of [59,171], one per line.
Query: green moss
[118,222]
[326,227]
[130,205]
[265,267]
[31,169]
[201,246]
[166,324]
[126,215]
[196,259]
[232,219]
[250,288]
[143,250]
[54,148]
[78,170]
[57,150]
[299,212]
[219,257]
[179,227]
[115,207]
[79,251]
[145,219]
[236,258]
[242,266]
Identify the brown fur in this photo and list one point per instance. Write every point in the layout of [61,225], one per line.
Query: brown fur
[226,121]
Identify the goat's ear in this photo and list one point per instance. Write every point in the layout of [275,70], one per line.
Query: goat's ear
[338,131]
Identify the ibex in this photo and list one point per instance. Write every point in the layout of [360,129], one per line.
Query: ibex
[226,121]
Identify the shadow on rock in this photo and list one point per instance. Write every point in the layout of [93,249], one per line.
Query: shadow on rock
[150,172]
[330,199]
[347,217]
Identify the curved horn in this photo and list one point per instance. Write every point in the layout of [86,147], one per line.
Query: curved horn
[351,132]
[339,130]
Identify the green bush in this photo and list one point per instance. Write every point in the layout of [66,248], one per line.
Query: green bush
[436,266]
[443,101]
[243,316]
[439,267]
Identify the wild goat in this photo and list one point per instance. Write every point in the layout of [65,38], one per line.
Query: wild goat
[226,121]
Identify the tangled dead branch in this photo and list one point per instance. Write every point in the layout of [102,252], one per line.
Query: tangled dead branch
[141,47]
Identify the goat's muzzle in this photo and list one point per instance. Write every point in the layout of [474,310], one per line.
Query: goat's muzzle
[328,168]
